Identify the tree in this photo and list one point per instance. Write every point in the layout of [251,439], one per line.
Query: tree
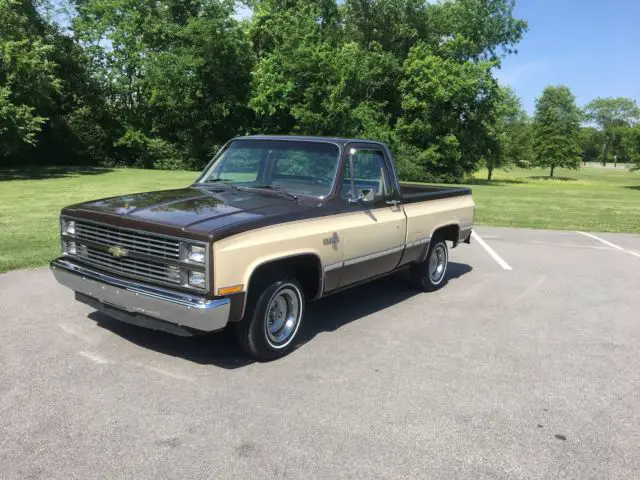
[631,145]
[28,81]
[162,83]
[175,74]
[556,129]
[609,114]
[590,143]
[415,74]
[511,134]
[311,80]
[447,106]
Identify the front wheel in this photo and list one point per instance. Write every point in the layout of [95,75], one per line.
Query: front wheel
[272,319]
[431,274]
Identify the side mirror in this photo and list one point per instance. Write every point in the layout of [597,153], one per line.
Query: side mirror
[363,196]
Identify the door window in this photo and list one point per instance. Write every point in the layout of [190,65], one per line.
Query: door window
[370,173]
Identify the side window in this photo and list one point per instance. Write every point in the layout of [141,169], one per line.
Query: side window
[370,172]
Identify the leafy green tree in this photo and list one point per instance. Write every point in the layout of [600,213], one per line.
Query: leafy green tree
[510,132]
[28,81]
[631,144]
[176,75]
[590,143]
[476,29]
[306,84]
[162,83]
[47,96]
[610,114]
[395,25]
[370,68]
[446,107]
[556,129]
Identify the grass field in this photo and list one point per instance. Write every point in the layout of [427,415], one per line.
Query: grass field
[592,199]
[29,207]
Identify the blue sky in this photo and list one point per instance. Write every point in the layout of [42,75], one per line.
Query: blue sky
[591,46]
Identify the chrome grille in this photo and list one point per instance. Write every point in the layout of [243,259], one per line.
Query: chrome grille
[133,253]
[130,266]
[144,243]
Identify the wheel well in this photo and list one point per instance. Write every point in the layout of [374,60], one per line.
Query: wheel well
[306,268]
[448,232]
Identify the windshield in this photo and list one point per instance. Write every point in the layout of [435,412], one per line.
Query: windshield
[296,167]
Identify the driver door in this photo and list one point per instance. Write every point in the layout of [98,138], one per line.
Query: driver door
[374,238]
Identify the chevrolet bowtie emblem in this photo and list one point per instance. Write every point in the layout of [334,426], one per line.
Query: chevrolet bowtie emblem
[117,251]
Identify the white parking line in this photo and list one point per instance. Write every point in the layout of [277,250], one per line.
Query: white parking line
[612,245]
[491,252]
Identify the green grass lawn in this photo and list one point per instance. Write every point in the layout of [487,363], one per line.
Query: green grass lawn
[591,199]
[29,207]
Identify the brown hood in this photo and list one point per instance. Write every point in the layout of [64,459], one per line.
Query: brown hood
[194,212]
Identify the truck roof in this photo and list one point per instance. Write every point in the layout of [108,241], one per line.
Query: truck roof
[309,138]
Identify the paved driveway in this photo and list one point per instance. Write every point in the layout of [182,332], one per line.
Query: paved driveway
[532,372]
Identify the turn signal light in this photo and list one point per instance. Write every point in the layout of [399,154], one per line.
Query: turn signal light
[230,290]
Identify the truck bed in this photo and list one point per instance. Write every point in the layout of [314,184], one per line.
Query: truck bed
[412,193]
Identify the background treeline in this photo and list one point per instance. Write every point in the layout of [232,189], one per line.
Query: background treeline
[164,83]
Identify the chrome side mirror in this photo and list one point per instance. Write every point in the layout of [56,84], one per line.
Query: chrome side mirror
[363,196]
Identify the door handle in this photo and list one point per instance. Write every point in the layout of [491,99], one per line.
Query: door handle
[393,203]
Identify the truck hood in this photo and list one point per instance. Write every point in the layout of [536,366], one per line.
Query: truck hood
[201,211]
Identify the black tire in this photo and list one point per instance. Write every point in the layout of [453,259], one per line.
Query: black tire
[423,276]
[255,333]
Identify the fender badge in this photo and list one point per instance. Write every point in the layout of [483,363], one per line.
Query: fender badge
[333,240]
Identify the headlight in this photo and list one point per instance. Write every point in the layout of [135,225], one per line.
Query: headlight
[197,279]
[196,253]
[69,247]
[68,226]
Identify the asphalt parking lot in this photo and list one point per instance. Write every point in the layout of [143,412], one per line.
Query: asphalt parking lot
[530,373]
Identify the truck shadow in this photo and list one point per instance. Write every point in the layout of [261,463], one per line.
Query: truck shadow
[326,315]
[218,349]
[335,311]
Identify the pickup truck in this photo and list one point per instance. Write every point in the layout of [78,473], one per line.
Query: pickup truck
[271,223]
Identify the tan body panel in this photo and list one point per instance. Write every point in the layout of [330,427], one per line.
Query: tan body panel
[424,218]
[372,231]
[360,234]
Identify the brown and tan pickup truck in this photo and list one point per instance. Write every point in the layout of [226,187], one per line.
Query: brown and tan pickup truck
[271,223]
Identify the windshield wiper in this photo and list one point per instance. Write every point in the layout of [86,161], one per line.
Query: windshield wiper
[222,180]
[276,189]
[212,180]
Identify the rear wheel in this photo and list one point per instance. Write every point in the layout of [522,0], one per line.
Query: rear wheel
[431,274]
[272,319]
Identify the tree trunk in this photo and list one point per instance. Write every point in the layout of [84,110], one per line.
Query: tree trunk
[551,174]
[605,152]
[490,174]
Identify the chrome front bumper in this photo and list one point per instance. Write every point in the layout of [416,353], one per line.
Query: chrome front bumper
[134,302]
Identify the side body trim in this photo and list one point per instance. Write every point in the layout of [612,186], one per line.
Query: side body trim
[363,258]
[355,270]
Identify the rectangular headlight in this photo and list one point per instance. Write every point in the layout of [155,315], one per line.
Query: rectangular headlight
[69,247]
[197,279]
[196,253]
[68,226]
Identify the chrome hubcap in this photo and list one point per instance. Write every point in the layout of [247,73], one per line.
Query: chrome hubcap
[437,263]
[283,316]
